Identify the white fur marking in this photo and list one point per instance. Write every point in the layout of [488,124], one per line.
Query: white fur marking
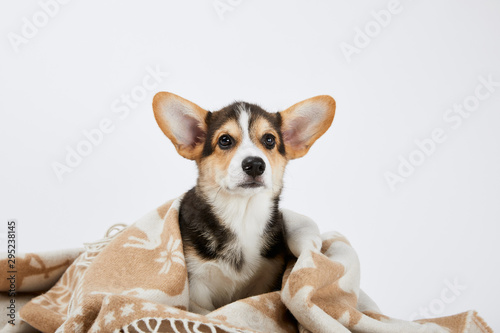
[235,174]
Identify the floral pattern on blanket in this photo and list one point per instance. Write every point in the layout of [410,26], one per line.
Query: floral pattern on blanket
[137,281]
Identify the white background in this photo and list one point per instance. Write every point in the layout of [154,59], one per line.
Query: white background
[441,224]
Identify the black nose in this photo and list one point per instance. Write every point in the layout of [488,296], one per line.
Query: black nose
[253,166]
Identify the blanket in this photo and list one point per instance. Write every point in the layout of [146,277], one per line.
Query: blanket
[136,281]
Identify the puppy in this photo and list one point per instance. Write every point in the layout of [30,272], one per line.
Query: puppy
[235,235]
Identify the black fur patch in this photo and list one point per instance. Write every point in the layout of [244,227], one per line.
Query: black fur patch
[201,229]
[274,234]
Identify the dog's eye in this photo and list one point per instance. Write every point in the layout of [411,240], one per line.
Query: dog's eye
[225,141]
[269,141]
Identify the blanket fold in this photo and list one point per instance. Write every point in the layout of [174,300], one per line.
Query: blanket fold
[137,281]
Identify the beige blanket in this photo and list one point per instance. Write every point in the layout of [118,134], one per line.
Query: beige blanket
[136,281]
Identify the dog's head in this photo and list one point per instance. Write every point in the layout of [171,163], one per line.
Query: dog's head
[242,149]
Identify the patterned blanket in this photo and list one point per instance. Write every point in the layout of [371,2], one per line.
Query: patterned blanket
[136,281]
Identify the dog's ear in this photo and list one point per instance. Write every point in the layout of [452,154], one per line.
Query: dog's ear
[304,122]
[183,122]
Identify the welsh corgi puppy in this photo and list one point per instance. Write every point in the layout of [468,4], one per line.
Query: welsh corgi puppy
[235,236]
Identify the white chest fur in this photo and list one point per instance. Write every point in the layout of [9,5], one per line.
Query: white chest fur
[214,283]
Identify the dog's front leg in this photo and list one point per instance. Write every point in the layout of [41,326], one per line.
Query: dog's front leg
[302,233]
